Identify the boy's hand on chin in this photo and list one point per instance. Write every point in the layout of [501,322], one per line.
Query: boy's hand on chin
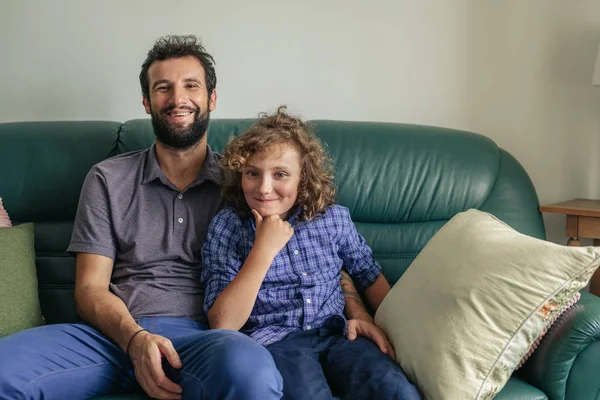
[272,232]
[368,329]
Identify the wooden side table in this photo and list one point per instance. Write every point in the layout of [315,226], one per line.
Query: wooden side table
[583,220]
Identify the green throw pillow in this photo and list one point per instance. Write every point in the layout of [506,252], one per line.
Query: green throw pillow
[19,303]
[474,301]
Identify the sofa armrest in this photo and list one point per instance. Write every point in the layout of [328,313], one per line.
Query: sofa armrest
[566,364]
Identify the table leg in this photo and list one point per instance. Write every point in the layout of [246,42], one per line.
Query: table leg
[595,281]
[573,230]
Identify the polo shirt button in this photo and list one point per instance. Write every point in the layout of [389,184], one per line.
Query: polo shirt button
[304,274]
[180,197]
[295,252]
[308,327]
[180,220]
[308,301]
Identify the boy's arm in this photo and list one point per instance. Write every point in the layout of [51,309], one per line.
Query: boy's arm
[234,304]
[231,291]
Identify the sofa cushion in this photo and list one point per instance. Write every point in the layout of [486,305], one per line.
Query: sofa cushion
[48,163]
[474,300]
[20,307]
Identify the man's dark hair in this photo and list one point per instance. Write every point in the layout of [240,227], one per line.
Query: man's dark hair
[177,46]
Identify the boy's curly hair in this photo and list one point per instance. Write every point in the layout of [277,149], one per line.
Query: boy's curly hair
[316,190]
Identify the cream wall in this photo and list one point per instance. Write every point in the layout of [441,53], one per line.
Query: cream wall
[516,71]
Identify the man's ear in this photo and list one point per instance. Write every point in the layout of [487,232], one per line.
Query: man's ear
[212,100]
[146,104]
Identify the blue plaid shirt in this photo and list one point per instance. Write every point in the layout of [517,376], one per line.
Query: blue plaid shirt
[302,287]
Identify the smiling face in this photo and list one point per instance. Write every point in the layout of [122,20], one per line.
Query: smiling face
[179,102]
[270,180]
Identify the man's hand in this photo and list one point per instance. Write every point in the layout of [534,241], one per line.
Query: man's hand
[368,329]
[146,352]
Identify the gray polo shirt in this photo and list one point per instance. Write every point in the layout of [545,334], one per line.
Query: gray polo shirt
[130,212]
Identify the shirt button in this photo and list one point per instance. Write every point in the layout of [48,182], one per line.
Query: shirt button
[180,197]
[295,252]
[304,274]
[308,301]
[308,327]
[180,220]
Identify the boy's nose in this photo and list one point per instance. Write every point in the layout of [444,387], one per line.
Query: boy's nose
[265,186]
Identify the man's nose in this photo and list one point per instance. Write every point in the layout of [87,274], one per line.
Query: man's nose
[178,96]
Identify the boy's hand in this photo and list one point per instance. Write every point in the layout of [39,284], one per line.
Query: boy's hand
[272,232]
[368,329]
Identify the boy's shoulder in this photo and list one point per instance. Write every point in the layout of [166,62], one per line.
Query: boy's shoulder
[338,211]
[227,217]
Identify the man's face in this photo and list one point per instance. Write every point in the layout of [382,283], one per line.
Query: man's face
[179,102]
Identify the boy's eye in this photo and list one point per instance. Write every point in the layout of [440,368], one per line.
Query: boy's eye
[280,174]
[251,173]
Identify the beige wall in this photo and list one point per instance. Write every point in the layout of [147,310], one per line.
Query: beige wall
[516,71]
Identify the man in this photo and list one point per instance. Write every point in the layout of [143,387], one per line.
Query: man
[139,229]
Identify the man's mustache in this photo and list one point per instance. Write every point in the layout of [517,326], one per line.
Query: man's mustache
[172,107]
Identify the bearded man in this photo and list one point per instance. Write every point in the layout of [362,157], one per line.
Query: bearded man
[140,225]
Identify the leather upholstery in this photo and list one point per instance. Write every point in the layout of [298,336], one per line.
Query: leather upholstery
[400,182]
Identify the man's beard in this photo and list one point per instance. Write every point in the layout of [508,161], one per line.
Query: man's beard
[180,138]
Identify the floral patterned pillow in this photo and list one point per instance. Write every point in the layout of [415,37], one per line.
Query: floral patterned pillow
[4,218]
[548,313]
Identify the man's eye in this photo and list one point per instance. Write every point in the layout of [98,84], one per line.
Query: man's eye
[192,86]
[162,88]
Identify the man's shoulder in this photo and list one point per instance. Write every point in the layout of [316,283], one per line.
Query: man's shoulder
[122,164]
[120,167]
[121,161]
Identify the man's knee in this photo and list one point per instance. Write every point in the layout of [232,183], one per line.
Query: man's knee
[235,367]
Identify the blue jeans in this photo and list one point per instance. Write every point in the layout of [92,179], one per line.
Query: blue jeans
[75,361]
[322,364]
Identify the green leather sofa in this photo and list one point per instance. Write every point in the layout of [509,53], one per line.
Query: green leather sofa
[401,183]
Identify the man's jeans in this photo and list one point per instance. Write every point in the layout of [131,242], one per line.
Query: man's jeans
[321,364]
[75,361]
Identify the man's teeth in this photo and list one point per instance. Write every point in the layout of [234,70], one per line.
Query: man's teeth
[180,114]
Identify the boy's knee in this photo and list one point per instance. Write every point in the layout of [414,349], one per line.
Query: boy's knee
[396,386]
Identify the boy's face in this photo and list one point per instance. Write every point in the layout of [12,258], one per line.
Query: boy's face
[270,181]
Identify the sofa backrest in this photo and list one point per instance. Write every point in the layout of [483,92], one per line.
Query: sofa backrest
[401,183]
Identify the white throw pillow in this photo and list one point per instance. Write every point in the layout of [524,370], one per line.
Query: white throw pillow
[474,301]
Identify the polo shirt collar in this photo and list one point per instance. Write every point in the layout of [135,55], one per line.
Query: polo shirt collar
[210,169]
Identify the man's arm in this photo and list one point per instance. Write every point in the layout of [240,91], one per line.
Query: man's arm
[101,308]
[354,308]
[360,322]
